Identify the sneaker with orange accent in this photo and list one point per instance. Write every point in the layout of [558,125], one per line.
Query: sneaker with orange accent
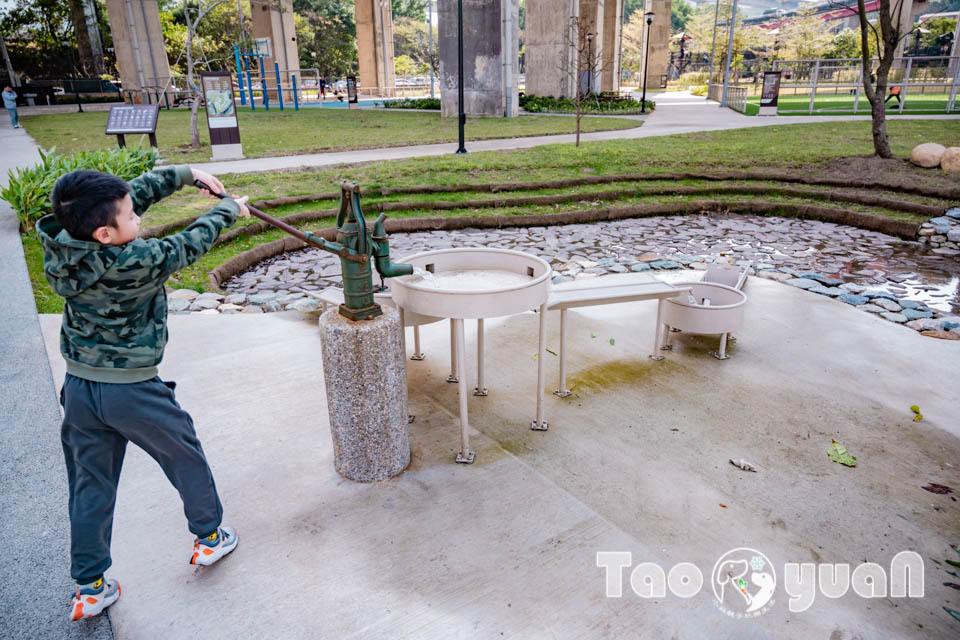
[91,599]
[208,550]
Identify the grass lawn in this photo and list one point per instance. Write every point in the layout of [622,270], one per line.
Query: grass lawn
[276,133]
[842,104]
[830,148]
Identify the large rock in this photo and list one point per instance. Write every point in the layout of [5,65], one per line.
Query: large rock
[927,155]
[950,161]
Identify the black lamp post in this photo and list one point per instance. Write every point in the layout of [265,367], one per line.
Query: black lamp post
[462,115]
[646,62]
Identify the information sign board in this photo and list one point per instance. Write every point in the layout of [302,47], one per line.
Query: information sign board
[133,118]
[221,114]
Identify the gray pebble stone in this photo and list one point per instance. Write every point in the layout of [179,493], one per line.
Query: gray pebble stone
[894,317]
[175,305]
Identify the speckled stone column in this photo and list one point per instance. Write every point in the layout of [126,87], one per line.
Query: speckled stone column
[366,395]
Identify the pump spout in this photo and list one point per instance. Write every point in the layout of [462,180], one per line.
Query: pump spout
[381,252]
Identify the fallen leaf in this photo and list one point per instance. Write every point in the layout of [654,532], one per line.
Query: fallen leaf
[953,563]
[612,341]
[743,464]
[838,453]
[955,614]
[954,574]
[916,410]
[593,335]
[952,585]
[940,489]
[723,505]
[553,353]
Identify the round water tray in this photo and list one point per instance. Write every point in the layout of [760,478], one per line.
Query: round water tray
[472,283]
[723,314]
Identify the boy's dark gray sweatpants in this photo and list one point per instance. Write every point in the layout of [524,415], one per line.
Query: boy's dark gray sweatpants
[99,419]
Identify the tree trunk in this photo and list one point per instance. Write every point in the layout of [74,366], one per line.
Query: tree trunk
[191,85]
[79,21]
[577,143]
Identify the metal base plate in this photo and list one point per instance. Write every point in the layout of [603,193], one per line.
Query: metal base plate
[543,426]
[453,379]
[417,356]
[717,355]
[411,418]
[478,392]
[468,459]
[653,357]
[563,394]
[667,347]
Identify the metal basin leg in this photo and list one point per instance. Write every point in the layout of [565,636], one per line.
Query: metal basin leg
[453,353]
[465,456]
[658,333]
[417,354]
[562,391]
[540,424]
[480,389]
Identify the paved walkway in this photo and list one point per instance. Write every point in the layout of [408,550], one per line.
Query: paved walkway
[35,560]
[676,112]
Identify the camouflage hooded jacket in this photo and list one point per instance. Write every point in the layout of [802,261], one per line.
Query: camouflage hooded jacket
[114,325]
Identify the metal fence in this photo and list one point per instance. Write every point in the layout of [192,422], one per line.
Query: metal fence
[919,85]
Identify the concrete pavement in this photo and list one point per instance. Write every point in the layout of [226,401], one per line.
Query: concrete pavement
[636,460]
[35,584]
[676,112]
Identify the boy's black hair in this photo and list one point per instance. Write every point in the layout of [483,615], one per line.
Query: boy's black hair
[84,200]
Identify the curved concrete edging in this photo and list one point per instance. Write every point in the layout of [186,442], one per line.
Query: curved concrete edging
[870,200]
[867,221]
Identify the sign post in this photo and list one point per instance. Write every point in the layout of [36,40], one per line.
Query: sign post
[770,93]
[221,115]
[133,118]
[352,91]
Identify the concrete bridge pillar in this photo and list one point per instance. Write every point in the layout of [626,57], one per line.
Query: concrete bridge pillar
[138,44]
[374,19]
[553,67]
[659,33]
[273,20]
[612,23]
[490,62]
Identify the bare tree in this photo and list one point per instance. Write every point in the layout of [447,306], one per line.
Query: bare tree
[203,7]
[584,60]
[887,40]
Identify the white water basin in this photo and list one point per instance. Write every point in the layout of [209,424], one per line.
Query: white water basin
[723,314]
[472,283]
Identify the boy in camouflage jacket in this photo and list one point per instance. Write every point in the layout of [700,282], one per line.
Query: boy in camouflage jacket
[112,337]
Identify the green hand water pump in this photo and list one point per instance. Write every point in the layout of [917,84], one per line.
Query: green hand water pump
[357,247]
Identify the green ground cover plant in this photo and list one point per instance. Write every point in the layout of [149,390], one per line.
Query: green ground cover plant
[413,103]
[310,130]
[592,103]
[29,189]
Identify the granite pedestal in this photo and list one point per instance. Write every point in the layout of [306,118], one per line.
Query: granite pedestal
[366,395]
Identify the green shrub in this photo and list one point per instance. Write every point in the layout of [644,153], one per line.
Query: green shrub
[699,90]
[29,189]
[413,103]
[591,104]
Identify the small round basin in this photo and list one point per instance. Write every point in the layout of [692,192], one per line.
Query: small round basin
[472,283]
[723,314]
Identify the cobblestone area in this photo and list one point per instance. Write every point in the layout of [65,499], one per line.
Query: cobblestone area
[914,283]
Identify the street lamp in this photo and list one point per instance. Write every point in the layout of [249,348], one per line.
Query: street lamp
[646,62]
[589,63]
[462,116]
